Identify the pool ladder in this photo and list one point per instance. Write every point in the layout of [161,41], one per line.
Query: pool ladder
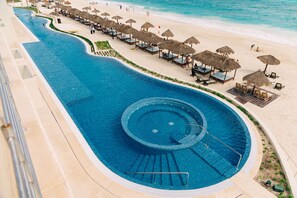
[164,173]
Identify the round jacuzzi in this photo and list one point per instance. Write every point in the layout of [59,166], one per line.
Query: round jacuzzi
[164,123]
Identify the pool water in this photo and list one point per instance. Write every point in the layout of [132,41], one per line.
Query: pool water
[96,91]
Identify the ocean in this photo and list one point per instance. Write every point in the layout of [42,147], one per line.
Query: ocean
[274,20]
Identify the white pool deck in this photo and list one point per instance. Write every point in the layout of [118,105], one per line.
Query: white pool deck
[64,165]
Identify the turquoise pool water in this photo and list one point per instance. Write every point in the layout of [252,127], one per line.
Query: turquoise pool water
[96,91]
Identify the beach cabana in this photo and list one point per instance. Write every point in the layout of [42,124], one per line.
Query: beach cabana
[130,31]
[217,62]
[117,18]
[183,50]
[149,41]
[192,40]
[147,25]
[167,34]
[268,60]
[168,45]
[130,21]
[224,65]
[256,79]
[205,58]
[225,50]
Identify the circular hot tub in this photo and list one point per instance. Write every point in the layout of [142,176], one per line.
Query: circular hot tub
[164,123]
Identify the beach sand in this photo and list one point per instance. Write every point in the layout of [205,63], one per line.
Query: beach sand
[278,117]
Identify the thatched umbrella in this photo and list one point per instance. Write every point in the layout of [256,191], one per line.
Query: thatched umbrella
[117,17]
[105,14]
[148,37]
[183,49]
[147,25]
[192,40]
[95,11]
[86,8]
[268,60]
[169,45]
[206,57]
[167,34]
[225,50]
[130,21]
[67,3]
[257,79]
[227,64]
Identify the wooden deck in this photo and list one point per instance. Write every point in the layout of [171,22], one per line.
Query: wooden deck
[248,97]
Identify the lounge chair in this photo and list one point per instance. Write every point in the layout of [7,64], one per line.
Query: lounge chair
[257,93]
[202,70]
[238,86]
[244,89]
[208,82]
[264,96]
[279,86]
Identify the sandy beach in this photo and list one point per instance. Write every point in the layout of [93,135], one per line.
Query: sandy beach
[278,117]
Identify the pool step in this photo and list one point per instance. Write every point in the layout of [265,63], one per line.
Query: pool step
[219,163]
[149,168]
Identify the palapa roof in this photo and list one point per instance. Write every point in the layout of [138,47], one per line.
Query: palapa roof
[130,21]
[86,8]
[169,44]
[105,14]
[148,37]
[183,49]
[111,24]
[167,33]
[147,25]
[218,61]
[130,30]
[225,50]
[257,78]
[192,40]
[269,59]
[117,17]
[67,3]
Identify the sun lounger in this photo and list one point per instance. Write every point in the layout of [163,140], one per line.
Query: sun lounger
[152,49]
[180,61]
[123,37]
[202,70]
[200,79]
[142,45]
[272,75]
[257,93]
[168,56]
[221,76]
[238,86]
[208,82]
[244,89]
[264,96]
[130,41]
[279,86]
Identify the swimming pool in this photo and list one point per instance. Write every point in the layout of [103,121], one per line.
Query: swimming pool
[96,91]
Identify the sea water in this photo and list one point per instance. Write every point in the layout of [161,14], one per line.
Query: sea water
[274,20]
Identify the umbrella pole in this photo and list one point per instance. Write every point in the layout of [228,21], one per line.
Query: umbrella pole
[253,89]
[265,68]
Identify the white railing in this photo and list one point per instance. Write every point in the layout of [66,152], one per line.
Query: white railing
[26,180]
[220,141]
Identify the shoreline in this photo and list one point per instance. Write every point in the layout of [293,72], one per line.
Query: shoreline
[257,31]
